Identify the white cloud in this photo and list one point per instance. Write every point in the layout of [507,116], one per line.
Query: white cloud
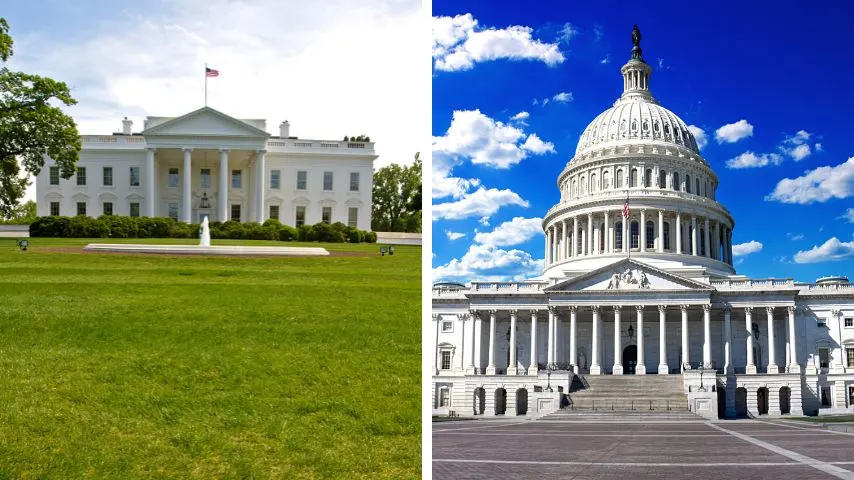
[521,116]
[605,60]
[795,236]
[454,235]
[699,135]
[848,215]
[833,249]
[484,221]
[751,160]
[458,44]
[733,132]
[567,32]
[746,248]
[536,146]
[480,203]
[563,97]
[819,185]
[598,31]
[818,147]
[800,152]
[513,232]
[489,263]
[796,146]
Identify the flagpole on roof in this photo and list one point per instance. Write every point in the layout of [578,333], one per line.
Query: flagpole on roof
[627,222]
[206,84]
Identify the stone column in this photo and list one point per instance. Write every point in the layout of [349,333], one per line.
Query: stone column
[749,368]
[772,358]
[642,232]
[186,175]
[151,181]
[627,241]
[555,343]
[222,197]
[595,367]
[661,231]
[728,368]
[512,368]
[641,366]
[546,234]
[678,232]
[694,249]
[490,367]
[589,246]
[662,340]
[794,365]
[686,357]
[260,189]
[478,340]
[752,404]
[618,348]
[607,234]
[462,317]
[562,255]
[574,236]
[532,367]
[707,336]
[437,319]
[550,359]
[708,240]
[573,338]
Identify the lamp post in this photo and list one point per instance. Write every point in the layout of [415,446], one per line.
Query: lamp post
[702,388]
[549,369]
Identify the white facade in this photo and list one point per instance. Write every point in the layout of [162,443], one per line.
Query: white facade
[654,293]
[236,171]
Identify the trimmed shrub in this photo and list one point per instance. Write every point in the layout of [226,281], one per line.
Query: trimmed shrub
[371,237]
[287,233]
[354,236]
[82,226]
[49,227]
[155,227]
[272,222]
[120,227]
[303,233]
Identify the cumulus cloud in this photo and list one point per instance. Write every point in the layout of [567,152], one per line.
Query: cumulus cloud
[562,97]
[733,132]
[751,160]
[483,202]
[699,135]
[454,235]
[521,118]
[746,248]
[536,146]
[797,147]
[848,215]
[819,185]
[833,249]
[514,232]
[489,263]
[459,43]
[484,221]
[567,32]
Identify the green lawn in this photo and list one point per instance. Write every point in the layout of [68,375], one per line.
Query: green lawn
[132,366]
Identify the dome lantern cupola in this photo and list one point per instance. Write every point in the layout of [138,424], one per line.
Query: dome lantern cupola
[636,74]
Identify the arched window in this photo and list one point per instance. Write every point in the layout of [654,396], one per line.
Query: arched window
[574,188]
[698,186]
[667,131]
[593,182]
[647,179]
[618,236]
[702,242]
[650,235]
[655,126]
[635,234]
[667,236]
[633,178]
[606,180]
[645,126]
[676,181]
[662,179]
[688,183]
[619,179]
[634,126]
[583,185]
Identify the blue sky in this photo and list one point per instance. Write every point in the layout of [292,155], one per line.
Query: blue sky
[777,78]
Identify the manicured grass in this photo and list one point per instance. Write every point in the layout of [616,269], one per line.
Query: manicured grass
[133,366]
[826,419]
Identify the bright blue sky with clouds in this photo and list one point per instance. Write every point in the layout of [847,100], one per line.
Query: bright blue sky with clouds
[777,79]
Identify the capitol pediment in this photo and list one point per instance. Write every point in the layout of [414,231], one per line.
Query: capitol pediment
[205,122]
[628,276]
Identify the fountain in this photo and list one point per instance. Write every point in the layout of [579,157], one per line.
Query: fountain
[205,234]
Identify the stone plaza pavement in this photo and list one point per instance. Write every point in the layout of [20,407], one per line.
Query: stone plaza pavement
[603,448]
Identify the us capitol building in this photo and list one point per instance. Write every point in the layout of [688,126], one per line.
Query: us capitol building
[645,308]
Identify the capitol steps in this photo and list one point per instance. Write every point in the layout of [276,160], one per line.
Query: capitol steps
[627,393]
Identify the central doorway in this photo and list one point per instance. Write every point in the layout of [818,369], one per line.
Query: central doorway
[630,359]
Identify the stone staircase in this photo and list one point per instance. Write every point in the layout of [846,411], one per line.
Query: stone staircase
[626,393]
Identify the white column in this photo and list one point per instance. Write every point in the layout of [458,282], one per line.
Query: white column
[728,367]
[573,338]
[437,319]
[512,367]
[794,365]
[555,342]
[222,197]
[532,368]
[627,241]
[707,336]
[546,249]
[470,367]
[694,249]
[260,189]
[618,348]
[186,175]
[662,340]
[562,255]
[686,357]
[661,231]
[589,247]
[642,239]
[462,317]
[708,239]
[678,232]
[607,234]
[772,359]
[490,367]
[748,325]
[550,359]
[641,367]
[151,181]
[574,236]
[478,340]
[595,367]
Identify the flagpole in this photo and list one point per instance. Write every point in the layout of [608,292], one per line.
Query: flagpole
[206,84]
[627,222]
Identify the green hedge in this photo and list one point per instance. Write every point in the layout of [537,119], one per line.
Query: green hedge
[114,226]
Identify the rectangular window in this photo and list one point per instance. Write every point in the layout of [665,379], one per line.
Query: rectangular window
[825,397]
[447,327]
[205,177]
[326,216]
[81,176]
[444,397]
[850,353]
[108,208]
[108,176]
[446,359]
[275,179]
[235,213]
[302,179]
[849,322]
[81,208]
[300,220]
[134,209]
[823,358]
[54,209]
[134,177]
[327,181]
[274,212]
[851,395]
[352,216]
[354,181]
[173,211]
[173,178]
[235,178]
[54,175]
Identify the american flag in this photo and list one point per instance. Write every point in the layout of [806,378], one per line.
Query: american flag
[626,208]
[210,72]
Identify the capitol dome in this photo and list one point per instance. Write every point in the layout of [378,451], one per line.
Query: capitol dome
[640,155]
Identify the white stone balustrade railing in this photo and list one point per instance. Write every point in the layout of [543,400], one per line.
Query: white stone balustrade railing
[502,287]
[138,141]
[763,284]
[832,287]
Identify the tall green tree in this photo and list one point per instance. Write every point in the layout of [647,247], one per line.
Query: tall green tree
[397,198]
[30,127]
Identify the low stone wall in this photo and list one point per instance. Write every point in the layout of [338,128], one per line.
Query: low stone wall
[14,231]
[398,238]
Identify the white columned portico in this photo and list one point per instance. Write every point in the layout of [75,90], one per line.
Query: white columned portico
[750,367]
[260,177]
[618,362]
[512,367]
[550,359]
[640,369]
[186,175]
[595,367]
[532,368]
[707,336]
[772,358]
[728,367]
[151,179]
[686,357]
[662,340]
[222,197]
[794,365]
[490,367]
[573,338]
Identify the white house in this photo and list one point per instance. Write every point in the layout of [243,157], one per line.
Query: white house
[644,287]
[206,163]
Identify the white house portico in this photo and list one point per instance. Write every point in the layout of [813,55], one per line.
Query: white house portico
[639,298]
[206,163]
